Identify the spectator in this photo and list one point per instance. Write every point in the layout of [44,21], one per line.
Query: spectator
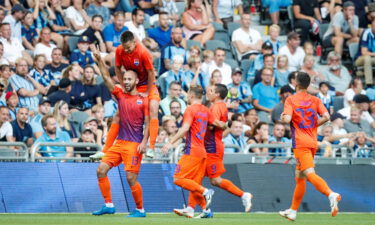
[281,72]
[274,8]
[293,51]
[174,93]
[92,91]
[11,99]
[171,50]
[196,22]
[78,19]
[316,76]
[337,122]
[285,92]
[3,60]
[5,72]
[36,121]
[2,91]
[95,34]
[243,90]
[169,7]
[356,124]
[22,130]
[325,96]
[247,41]
[2,10]
[361,9]
[170,126]
[28,32]
[61,114]
[278,137]
[216,77]
[274,32]
[259,135]
[77,93]
[61,23]
[97,111]
[6,130]
[194,76]
[208,58]
[224,68]
[42,75]
[337,75]
[14,19]
[175,74]
[343,28]
[112,32]
[235,137]
[52,134]
[25,86]
[329,8]
[96,8]
[56,66]
[366,53]
[62,93]
[355,87]
[259,60]
[361,148]
[224,10]
[162,136]
[87,136]
[135,25]
[45,46]
[362,103]
[93,124]
[13,48]
[194,50]
[175,108]
[292,83]
[82,55]
[304,12]
[148,6]
[162,33]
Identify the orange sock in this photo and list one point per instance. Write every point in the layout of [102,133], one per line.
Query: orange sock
[319,183]
[231,188]
[299,192]
[154,129]
[105,188]
[189,185]
[196,198]
[137,195]
[111,136]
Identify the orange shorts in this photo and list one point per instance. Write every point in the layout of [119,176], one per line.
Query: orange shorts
[154,93]
[126,152]
[304,158]
[214,166]
[190,167]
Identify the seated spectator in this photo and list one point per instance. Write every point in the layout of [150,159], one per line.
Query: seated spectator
[42,75]
[308,48]
[91,90]
[112,32]
[25,86]
[82,55]
[14,19]
[95,34]
[3,60]
[11,99]
[63,93]
[362,103]
[171,50]
[292,83]
[278,137]
[293,51]
[61,114]
[96,8]
[170,126]
[336,74]
[169,7]
[135,25]
[87,136]
[258,63]
[162,33]
[246,41]
[5,73]
[281,72]
[78,19]
[284,92]
[361,9]
[52,134]
[148,6]
[216,77]
[2,91]
[45,46]
[274,32]
[175,74]
[251,120]
[244,93]
[29,33]
[355,87]
[224,10]
[174,93]
[6,129]
[325,96]
[224,68]
[36,122]
[194,76]
[196,22]
[208,58]
[356,124]
[304,12]
[162,136]
[57,65]
[337,122]
[60,24]
[342,29]
[175,108]
[260,136]
[194,51]
[366,53]
[316,76]
[274,8]
[361,147]
[328,8]
[93,124]
[97,111]
[235,137]
[22,130]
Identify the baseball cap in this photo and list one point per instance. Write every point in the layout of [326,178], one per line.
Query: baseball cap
[336,116]
[17,8]
[64,83]
[361,99]
[267,45]
[87,129]
[348,4]
[43,99]
[9,94]
[237,70]
[83,39]
[293,35]
[91,118]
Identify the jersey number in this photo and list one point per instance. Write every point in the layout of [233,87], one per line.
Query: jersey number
[311,118]
[202,129]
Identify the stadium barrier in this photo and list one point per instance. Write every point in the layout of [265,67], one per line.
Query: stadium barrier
[19,153]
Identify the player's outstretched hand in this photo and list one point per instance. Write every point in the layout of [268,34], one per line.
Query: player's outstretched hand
[164,150]
[97,56]
[142,148]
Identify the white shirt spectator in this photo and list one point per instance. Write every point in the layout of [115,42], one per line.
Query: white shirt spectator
[249,37]
[6,130]
[349,95]
[364,116]
[226,72]
[13,50]
[41,48]
[4,61]
[205,68]
[72,13]
[14,26]
[139,31]
[295,60]
[225,8]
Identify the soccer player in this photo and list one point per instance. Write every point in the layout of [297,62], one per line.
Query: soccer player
[301,111]
[191,167]
[131,141]
[215,153]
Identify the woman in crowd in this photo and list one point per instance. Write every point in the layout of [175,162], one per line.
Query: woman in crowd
[355,87]
[259,135]
[315,75]
[43,76]
[77,93]
[61,114]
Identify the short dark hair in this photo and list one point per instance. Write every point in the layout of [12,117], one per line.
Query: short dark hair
[4,24]
[222,90]
[303,80]
[163,13]
[292,76]
[174,83]
[323,83]
[220,49]
[97,16]
[136,10]
[127,36]
[266,56]
[235,116]
[4,66]
[197,90]
[45,118]
[174,101]
[247,112]
[4,107]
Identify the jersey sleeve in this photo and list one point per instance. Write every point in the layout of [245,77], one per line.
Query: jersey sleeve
[288,108]
[321,108]
[118,58]
[188,116]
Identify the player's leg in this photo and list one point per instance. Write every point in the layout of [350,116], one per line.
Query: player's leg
[154,122]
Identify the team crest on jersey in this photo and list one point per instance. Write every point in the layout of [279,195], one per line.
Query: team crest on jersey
[136,62]
[139,101]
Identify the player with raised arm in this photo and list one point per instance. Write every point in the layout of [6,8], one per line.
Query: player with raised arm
[131,141]
[215,154]
[191,167]
[301,111]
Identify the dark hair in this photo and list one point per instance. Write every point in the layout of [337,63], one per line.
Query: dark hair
[248,111]
[4,107]
[323,83]
[97,16]
[4,66]
[220,49]
[235,116]
[197,90]
[127,36]
[303,80]
[292,76]
[173,101]
[257,127]
[230,122]
[266,56]
[174,83]
[57,48]
[22,107]
[136,10]
[163,13]
[4,24]
[45,118]
[222,90]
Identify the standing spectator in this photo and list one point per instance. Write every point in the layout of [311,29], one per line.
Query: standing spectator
[366,53]
[175,108]
[247,41]
[196,22]
[194,76]
[14,19]
[11,99]
[135,25]
[274,8]
[63,93]
[6,130]
[28,32]
[36,121]
[355,87]
[112,32]
[235,137]
[25,86]
[96,8]
[224,10]
[162,33]
[243,89]
[325,96]
[293,51]
[22,130]
[343,28]
[278,138]
[304,12]
[56,66]
[356,124]
[174,93]
[284,92]
[337,75]
[260,135]
[42,75]
[61,114]
[91,90]
[78,18]
[224,68]
[45,46]
[95,34]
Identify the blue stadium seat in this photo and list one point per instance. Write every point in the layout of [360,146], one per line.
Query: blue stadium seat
[214,44]
[72,42]
[218,26]
[338,103]
[232,26]
[232,63]
[222,36]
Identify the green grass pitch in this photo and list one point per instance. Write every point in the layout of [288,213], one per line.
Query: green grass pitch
[162,219]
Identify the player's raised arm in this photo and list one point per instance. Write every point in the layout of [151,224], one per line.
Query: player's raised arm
[104,71]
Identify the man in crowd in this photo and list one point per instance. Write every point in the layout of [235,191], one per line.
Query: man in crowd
[243,91]
[278,138]
[22,130]
[162,33]
[135,25]
[362,102]
[15,20]
[337,75]
[235,137]
[172,49]
[6,130]
[36,121]
[175,108]
[293,51]
[218,63]
[63,93]
[356,124]
[56,66]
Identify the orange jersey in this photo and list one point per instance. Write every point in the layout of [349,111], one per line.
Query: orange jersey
[304,110]
[140,61]
[197,116]
[213,139]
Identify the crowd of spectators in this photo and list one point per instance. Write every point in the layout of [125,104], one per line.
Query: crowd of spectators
[51,89]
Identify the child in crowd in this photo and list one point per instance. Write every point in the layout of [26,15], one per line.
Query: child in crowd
[274,32]
[281,72]
[258,61]
[87,136]
[308,48]
[361,145]
[233,100]
[82,56]
[208,58]
[326,96]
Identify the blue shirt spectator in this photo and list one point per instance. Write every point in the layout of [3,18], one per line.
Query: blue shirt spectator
[203,80]
[150,11]
[264,94]
[275,46]
[95,8]
[235,137]
[243,91]
[43,77]
[278,138]
[36,121]
[22,130]
[162,33]
[112,34]
[81,58]
[168,77]
[29,33]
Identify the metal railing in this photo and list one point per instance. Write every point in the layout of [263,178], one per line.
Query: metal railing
[10,154]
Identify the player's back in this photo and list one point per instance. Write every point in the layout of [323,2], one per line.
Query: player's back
[197,116]
[304,109]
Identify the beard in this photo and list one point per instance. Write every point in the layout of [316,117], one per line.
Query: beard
[51,131]
[129,87]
